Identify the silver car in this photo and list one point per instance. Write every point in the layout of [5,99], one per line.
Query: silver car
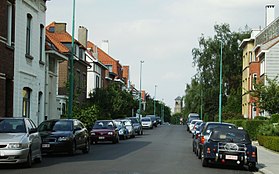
[19,141]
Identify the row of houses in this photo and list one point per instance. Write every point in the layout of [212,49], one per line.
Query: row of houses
[260,61]
[34,66]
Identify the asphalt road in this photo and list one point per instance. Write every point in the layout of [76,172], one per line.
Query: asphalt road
[163,150]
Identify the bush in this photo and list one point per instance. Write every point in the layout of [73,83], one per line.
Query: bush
[270,142]
[252,127]
[269,130]
[274,118]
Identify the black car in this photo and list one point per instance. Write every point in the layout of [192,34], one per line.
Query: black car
[207,129]
[137,125]
[64,135]
[227,146]
[153,119]
[159,120]
[191,116]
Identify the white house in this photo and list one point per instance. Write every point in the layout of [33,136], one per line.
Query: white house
[29,66]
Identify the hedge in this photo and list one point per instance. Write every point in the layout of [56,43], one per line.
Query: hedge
[270,142]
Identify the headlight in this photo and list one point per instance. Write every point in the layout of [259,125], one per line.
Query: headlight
[93,133]
[63,138]
[17,146]
[110,133]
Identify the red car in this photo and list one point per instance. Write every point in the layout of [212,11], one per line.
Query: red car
[104,130]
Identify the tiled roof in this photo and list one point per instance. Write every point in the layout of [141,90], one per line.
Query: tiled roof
[60,47]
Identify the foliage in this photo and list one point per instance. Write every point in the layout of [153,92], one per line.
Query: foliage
[87,115]
[204,87]
[274,118]
[267,95]
[270,142]
[113,102]
[269,130]
[175,118]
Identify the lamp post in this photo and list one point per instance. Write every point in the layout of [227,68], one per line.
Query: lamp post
[155,101]
[220,92]
[163,110]
[71,79]
[140,95]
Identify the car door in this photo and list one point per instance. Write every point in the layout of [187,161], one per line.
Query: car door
[34,138]
[78,132]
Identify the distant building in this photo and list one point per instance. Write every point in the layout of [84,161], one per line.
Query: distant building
[178,105]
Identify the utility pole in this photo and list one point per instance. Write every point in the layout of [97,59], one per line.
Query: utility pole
[140,95]
[71,79]
[220,92]
[155,101]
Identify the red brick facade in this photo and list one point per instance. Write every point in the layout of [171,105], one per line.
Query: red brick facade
[6,61]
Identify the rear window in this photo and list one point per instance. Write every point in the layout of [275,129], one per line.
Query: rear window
[210,127]
[145,119]
[230,136]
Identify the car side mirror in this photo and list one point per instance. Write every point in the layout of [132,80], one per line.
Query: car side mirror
[33,130]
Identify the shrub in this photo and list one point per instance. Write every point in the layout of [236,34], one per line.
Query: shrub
[252,127]
[270,142]
[274,118]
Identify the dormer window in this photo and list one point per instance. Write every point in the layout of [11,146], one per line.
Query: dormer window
[51,29]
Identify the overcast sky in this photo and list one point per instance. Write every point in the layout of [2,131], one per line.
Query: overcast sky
[162,33]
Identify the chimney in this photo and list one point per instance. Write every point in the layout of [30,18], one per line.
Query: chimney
[60,27]
[269,14]
[82,35]
[105,46]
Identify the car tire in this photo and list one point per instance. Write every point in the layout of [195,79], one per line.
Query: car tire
[252,167]
[86,149]
[73,149]
[141,132]
[199,153]
[204,161]
[28,163]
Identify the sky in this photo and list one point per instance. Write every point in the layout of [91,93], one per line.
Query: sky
[162,33]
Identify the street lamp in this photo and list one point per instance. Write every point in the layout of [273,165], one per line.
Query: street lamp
[220,92]
[71,79]
[162,110]
[140,95]
[155,101]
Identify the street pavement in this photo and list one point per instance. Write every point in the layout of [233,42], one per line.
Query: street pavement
[268,161]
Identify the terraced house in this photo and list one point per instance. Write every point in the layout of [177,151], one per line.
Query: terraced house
[29,59]
[7,28]
[58,31]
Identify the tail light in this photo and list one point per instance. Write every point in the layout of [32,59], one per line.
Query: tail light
[202,139]
[254,154]
[208,150]
[197,136]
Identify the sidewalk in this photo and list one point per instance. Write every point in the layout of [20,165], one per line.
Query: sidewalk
[268,161]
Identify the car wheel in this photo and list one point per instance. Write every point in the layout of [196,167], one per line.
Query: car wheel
[28,163]
[86,149]
[73,149]
[199,153]
[141,132]
[252,167]
[204,161]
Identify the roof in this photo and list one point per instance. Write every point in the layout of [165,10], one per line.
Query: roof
[58,45]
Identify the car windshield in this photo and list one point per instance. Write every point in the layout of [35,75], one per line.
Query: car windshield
[103,125]
[12,126]
[134,120]
[229,135]
[145,119]
[57,125]
[210,127]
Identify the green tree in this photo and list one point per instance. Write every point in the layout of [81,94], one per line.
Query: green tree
[267,96]
[206,58]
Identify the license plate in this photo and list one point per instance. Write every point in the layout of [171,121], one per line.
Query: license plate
[231,157]
[45,145]
[101,138]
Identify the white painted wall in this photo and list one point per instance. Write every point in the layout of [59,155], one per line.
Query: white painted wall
[29,73]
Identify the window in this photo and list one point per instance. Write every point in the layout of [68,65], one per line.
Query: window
[78,79]
[84,81]
[10,23]
[28,35]
[262,69]
[109,68]
[81,54]
[26,102]
[41,42]
[97,82]
[254,81]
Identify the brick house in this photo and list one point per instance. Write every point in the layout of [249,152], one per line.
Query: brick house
[58,31]
[7,18]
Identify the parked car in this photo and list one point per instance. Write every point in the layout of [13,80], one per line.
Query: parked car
[196,138]
[130,127]
[196,126]
[122,130]
[137,125]
[64,135]
[104,130]
[153,119]
[192,123]
[19,141]
[159,120]
[227,146]
[146,122]
[191,116]
[207,129]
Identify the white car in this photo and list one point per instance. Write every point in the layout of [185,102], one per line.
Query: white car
[192,123]
[146,122]
[20,141]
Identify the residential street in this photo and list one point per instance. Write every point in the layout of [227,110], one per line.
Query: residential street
[163,150]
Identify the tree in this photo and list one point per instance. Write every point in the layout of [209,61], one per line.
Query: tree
[267,96]
[206,58]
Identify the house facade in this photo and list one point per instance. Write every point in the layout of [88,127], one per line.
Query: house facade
[7,28]
[58,31]
[29,64]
